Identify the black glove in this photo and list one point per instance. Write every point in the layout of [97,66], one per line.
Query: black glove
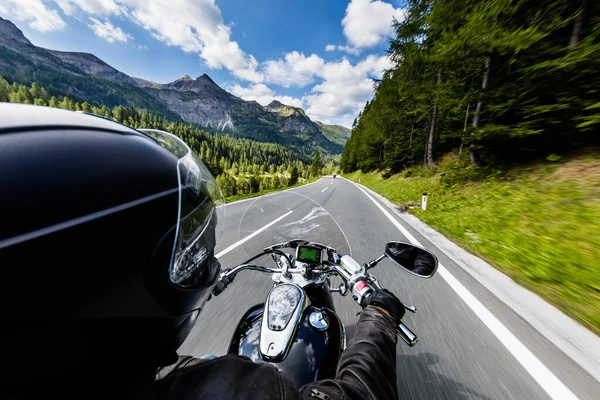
[388,301]
[222,283]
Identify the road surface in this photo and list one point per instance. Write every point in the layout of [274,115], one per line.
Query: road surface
[458,356]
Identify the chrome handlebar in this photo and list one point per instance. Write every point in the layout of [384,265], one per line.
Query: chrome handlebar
[407,335]
[349,279]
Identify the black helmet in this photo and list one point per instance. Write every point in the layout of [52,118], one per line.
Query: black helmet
[107,239]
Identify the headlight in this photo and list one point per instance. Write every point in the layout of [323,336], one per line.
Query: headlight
[283,301]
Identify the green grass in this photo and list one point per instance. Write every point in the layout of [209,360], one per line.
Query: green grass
[539,224]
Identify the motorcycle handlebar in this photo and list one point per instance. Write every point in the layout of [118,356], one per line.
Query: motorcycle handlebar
[407,335]
[227,277]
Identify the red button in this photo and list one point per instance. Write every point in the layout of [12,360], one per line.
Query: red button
[360,285]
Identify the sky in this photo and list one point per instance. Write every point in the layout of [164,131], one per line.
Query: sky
[320,55]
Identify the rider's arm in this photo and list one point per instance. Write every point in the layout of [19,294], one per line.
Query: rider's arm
[367,368]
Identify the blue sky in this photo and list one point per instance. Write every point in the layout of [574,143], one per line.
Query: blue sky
[316,54]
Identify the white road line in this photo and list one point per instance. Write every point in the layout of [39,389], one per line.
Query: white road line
[269,194]
[542,375]
[326,187]
[250,236]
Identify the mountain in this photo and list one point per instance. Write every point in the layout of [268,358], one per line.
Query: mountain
[199,101]
[335,133]
[295,119]
[90,64]
[65,74]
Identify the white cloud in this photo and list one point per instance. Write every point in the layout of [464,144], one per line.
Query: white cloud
[349,49]
[142,47]
[195,26]
[94,7]
[108,31]
[263,95]
[295,69]
[368,22]
[346,49]
[345,89]
[34,12]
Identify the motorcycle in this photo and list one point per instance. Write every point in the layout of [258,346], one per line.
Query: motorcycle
[297,328]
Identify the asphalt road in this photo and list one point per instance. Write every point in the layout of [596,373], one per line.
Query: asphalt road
[457,357]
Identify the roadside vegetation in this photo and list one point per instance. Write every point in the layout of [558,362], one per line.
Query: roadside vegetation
[478,93]
[538,223]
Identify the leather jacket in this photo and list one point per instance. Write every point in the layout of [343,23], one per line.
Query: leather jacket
[367,370]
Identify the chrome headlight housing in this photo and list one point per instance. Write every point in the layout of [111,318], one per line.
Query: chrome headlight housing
[283,301]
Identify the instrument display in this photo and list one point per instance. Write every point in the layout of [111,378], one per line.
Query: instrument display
[308,254]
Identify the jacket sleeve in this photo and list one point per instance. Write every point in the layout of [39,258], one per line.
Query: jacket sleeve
[367,368]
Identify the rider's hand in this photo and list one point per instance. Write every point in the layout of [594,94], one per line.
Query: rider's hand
[222,282]
[383,298]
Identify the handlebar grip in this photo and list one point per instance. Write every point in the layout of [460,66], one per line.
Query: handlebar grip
[407,335]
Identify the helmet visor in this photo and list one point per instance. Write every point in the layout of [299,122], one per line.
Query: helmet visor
[200,214]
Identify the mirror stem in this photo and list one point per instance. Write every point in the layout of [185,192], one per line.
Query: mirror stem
[375,262]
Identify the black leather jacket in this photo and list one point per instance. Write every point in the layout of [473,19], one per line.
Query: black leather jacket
[367,370]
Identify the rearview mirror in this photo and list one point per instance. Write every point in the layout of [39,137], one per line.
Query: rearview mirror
[413,259]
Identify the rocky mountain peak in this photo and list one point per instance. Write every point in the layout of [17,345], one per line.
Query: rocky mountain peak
[189,84]
[206,78]
[275,104]
[9,29]
[284,110]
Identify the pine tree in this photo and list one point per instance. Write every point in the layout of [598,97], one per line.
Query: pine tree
[317,165]
[276,182]
[294,175]
[4,90]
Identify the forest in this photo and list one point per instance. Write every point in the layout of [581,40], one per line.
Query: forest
[241,166]
[499,82]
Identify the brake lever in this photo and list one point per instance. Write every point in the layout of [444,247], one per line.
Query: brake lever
[373,280]
[412,309]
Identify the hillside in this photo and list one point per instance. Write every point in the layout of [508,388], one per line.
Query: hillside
[335,133]
[537,223]
[200,101]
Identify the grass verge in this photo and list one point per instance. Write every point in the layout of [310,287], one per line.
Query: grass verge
[538,224]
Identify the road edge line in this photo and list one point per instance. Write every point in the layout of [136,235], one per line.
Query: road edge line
[573,339]
[538,371]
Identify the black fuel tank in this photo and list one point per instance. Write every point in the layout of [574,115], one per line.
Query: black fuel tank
[313,355]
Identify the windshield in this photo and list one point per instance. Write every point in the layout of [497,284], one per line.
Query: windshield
[285,216]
